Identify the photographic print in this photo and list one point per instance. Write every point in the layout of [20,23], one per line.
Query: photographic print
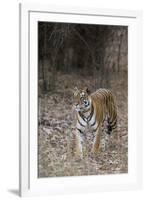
[82,99]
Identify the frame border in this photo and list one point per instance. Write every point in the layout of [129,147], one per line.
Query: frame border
[26,9]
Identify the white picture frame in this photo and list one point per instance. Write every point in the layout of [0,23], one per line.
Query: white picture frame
[30,184]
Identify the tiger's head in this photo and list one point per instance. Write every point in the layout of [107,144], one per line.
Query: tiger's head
[82,100]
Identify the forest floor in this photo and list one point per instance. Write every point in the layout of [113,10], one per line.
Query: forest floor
[56,139]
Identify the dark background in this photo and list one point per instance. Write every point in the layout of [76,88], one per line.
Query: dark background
[97,50]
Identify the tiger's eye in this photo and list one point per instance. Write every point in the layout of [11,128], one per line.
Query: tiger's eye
[85,102]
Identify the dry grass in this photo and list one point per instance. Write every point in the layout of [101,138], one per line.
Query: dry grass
[56,133]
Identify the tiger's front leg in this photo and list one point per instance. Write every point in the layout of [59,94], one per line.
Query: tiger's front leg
[79,144]
[96,142]
[80,128]
[97,131]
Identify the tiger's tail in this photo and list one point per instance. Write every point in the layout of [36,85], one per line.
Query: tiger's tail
[111,125]
[110,121]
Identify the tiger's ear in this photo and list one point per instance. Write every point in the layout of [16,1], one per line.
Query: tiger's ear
[75,91]
[87,90]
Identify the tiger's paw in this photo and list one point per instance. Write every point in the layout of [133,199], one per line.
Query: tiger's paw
[95,150]
[78,155]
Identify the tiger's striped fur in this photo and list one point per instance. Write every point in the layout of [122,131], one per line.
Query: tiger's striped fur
[97,110]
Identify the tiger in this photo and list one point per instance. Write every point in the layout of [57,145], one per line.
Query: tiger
[98,111]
